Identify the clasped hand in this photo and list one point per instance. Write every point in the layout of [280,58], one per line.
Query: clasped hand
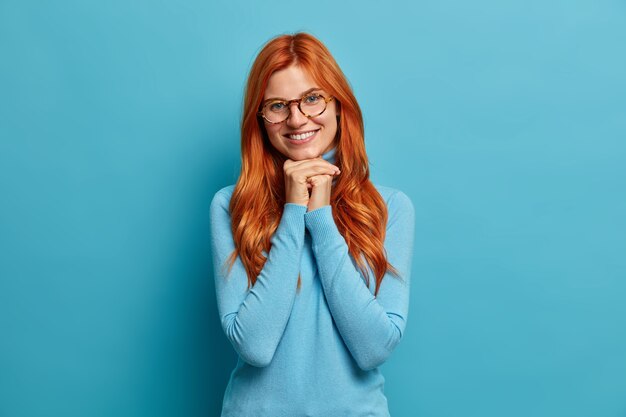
[309,182]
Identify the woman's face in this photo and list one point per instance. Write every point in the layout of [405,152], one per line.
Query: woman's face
[316,134]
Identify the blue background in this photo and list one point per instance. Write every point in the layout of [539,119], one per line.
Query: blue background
[504,121]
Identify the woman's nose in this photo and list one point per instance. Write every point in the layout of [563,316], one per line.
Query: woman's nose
[296,118]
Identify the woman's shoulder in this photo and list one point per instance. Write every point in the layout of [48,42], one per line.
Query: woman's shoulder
[222,197]
[394,198]
[225,191]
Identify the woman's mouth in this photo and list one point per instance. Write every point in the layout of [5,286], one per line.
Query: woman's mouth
[300,138]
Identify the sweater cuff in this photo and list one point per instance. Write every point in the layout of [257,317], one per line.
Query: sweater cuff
[321,225]
[292,220]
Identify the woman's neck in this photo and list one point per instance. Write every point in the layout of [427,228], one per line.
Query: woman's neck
[330,155]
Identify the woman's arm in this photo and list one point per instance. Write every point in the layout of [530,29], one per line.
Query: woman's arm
[370,327]
[254,320]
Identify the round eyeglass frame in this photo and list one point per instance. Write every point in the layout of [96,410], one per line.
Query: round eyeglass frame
[299,102]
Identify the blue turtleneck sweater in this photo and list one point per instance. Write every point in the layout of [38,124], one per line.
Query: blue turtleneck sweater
[313,352]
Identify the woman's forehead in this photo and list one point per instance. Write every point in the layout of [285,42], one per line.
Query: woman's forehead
[289,83]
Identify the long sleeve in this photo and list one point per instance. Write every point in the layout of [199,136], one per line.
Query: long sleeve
[254,320]
[370,326]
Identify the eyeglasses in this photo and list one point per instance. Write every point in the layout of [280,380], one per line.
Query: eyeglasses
[310,105]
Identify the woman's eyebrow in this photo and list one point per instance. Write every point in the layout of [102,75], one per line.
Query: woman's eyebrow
[284,99]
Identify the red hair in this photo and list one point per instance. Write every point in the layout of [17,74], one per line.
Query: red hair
[358,209]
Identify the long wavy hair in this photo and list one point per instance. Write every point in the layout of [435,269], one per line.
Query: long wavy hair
[257,202]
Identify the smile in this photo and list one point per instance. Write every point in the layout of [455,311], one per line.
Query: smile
[301,137]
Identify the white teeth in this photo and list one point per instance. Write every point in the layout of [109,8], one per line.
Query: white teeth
[302,136]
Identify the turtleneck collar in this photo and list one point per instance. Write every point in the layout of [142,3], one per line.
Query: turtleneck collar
[330,155]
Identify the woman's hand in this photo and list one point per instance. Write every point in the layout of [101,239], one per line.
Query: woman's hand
[309,174]
[321,186]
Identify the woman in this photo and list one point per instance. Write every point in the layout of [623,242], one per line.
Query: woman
[312,261]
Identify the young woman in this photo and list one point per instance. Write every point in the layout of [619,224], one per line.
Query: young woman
[312,261]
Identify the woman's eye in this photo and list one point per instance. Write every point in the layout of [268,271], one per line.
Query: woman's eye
[313,98]
[278,106]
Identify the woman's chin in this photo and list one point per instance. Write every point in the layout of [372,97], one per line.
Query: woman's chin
[303,155]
